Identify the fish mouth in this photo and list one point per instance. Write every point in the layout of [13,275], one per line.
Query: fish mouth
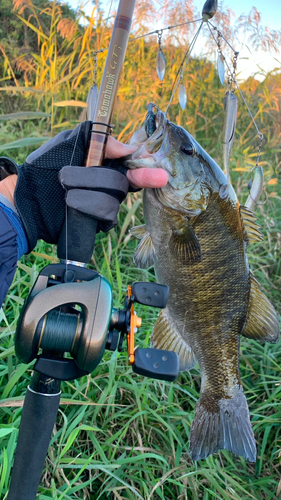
[148,152]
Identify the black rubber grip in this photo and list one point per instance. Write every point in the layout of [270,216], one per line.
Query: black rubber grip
[37,422]
[79,242]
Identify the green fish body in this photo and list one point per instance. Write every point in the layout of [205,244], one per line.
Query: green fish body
[195,235]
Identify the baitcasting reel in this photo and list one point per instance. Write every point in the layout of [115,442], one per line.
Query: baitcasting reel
[69,310]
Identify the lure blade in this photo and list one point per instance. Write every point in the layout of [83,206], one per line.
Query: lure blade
[230,106]
[221,68]
[256,189]
[160,65]
[92,100]
[182,96]
[209,9]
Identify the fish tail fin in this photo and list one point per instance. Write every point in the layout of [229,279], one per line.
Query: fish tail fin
[222,424]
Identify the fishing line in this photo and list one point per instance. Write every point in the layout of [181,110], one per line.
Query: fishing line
[66,239]
[102,33]
[59,331]
[182,66]
[66,217]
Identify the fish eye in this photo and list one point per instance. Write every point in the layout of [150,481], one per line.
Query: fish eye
[187,150]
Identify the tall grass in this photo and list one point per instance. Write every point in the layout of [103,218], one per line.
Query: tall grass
[118,435]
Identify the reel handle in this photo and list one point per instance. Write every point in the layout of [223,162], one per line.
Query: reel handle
[77,239]
[156,363]
[38,417]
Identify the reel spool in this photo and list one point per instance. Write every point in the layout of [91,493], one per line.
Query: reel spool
[70,311]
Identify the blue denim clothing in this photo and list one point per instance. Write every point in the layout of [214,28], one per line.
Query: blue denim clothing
[8,254]
[13,244]
[15,219]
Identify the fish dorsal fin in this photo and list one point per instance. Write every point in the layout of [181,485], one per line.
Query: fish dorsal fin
[185,243]
[251,228]
[166,336]
[138,231]
[262,321]
[144,254]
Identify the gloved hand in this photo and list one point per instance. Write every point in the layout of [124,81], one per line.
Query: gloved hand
[96,191]
[40,197]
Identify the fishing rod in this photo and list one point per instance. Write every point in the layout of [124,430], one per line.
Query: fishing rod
[70,308]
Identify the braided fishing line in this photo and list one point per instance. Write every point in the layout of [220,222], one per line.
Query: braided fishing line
[108,14]
[59,331]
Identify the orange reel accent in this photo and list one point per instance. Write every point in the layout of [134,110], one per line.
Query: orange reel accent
[135,323]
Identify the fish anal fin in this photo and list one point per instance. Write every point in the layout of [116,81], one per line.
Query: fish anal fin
[165,336]
[185,243]
[262,322]
[251,228]
[222,424]
[138,231]
[144,254]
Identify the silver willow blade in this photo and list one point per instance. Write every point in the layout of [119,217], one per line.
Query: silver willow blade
[256,189]
[230,106]
[92,100]
[182,96]
[221,68]
[160,65]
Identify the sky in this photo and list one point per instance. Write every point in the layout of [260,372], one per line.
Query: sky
[248,62]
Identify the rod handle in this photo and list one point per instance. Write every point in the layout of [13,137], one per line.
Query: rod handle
[37,422]
[77,239]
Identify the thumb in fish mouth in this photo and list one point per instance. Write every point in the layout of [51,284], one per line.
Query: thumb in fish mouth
[116,149]
[148,177]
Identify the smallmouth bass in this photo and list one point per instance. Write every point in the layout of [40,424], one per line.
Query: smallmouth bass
[195,235]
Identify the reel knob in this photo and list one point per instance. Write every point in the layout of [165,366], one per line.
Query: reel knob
[156,363]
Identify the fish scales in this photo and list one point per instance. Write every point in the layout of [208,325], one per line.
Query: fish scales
[212,292]
[195,235]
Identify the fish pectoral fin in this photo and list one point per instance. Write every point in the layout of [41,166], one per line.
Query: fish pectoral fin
[186,244]
[262,321]
[144,254]
[251,228]
[138,231]
[166,336]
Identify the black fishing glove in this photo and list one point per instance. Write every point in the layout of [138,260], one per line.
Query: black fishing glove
[40,195]
[95,191]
